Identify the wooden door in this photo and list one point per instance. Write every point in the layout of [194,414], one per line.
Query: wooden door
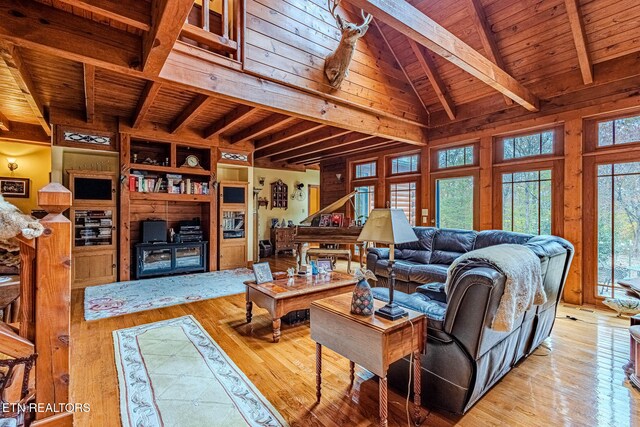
[233,222]
[94,268]
[314,199]
[454,200]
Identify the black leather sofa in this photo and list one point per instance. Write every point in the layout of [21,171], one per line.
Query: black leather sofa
[464,357]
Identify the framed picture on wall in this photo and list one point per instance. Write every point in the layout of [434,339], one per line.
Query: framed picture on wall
[14,187]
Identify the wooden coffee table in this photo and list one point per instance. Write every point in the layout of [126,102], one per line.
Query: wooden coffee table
[282,296]
[370,341]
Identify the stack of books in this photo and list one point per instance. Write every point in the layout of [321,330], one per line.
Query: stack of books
[171,183]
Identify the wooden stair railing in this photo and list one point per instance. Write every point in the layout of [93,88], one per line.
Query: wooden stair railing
[45,304]
[221,32]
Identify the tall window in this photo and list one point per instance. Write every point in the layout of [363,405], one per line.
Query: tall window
[404,164]
[536,144]
[526,202]
[365,170]
[454,202]
[619,131]
[403,196]
[452,157]
[618,225]
[364,202]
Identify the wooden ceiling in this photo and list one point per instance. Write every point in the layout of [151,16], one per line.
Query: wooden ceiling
[545,54]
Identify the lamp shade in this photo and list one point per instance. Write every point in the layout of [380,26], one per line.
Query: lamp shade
[388,226]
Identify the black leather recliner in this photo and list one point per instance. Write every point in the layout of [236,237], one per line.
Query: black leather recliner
[464,357]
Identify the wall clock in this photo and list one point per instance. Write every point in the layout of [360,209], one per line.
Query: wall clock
[192,161]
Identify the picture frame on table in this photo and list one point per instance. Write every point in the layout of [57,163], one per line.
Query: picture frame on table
[337,219]
[14,187]
[325,263]
[262,272]
[325,220]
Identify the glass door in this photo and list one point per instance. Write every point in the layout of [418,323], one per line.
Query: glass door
[233,225]
[453,202]
[618,226]
[93,227]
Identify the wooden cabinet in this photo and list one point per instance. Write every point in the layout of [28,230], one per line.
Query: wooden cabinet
[282,240]
[94,218]
[233,225]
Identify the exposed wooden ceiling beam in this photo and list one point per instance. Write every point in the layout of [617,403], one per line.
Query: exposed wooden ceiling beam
[486,36]
[43,28]
[145,102]
[89,91]
[416,25]
[24,132]
[341,142]
[5,123]
[21,75]
[404,72]
[322,135]
[167,18]
[134,13]
[294,131]
[429,68]
[260,128]
[580,40]
[231,119]
[378,144]
[192,111]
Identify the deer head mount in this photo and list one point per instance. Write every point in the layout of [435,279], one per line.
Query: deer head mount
[336,65]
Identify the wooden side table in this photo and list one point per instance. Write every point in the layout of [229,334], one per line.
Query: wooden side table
[370,341]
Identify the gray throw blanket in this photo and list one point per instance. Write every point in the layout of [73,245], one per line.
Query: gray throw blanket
[523,286]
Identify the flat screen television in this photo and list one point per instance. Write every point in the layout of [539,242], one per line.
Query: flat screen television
[92,189]
[233,195]
[154,231]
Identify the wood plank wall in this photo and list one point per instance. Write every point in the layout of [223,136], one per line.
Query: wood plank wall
[330,189]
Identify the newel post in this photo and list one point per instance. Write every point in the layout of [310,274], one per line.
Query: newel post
[53,298]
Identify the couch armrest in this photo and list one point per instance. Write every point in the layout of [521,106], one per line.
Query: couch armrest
[381,253]
[473,300]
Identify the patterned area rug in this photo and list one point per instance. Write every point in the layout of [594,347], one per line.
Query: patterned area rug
[116,299]
[172,373]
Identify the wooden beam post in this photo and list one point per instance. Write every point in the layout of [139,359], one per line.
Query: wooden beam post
[416,25]
[485,154]
[89,91]
[429,68]
[144,103]
[5,123]
[580,40]
[53,299]
[27,133]
[196,107]
[573,206]
[167,18]
[124,215]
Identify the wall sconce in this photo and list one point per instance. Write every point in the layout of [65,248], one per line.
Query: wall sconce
[261,181]
[12,164]
[339,177]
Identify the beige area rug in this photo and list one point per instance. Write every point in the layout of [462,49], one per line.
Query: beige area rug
[172,373]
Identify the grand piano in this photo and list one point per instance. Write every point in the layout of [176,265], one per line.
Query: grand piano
[309,232]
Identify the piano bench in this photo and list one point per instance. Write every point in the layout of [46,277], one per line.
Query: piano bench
[330,253]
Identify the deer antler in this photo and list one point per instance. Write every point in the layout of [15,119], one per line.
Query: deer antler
[332,5]
[367,18]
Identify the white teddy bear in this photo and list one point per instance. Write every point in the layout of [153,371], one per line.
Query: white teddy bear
[13,223]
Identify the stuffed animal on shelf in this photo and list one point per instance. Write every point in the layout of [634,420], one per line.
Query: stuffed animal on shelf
[13,223]
[622,306]
[362,299]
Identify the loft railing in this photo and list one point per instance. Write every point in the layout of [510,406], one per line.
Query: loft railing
[215,25]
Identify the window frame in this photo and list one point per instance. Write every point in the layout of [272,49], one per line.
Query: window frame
[457,172]
[590,128]
[351,210]
[354,166]
[390,160]
[558,145]
[434,155]
[405,179]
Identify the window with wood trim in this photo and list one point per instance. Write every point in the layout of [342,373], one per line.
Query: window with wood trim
[618,131]
[526,201]
[454,202]
[365,170]
[456,157]
[536,144]
[404,196]
[405,164]
[364,202]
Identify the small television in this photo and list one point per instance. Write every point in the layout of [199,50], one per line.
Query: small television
[154,231]
[233,195]
[92,188]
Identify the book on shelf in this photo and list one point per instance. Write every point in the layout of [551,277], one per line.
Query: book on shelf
[170,184]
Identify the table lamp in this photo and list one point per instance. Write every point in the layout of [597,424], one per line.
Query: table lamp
[391,227]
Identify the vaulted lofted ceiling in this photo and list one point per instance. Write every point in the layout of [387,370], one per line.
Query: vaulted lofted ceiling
[561,52]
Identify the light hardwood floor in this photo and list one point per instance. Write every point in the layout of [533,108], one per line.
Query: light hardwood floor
[576,380]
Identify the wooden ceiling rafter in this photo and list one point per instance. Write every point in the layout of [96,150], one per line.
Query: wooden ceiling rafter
[27,133]
[429,68]
[197,106]
[262,127]
[580,40]
[145,102]
[5,123]
[486,37]
[236,116]
[167,19]
[322,135]
[379,144]
[343,141]
[294,131]
[21,75]
[406,19]
[89,80]
[134,13]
